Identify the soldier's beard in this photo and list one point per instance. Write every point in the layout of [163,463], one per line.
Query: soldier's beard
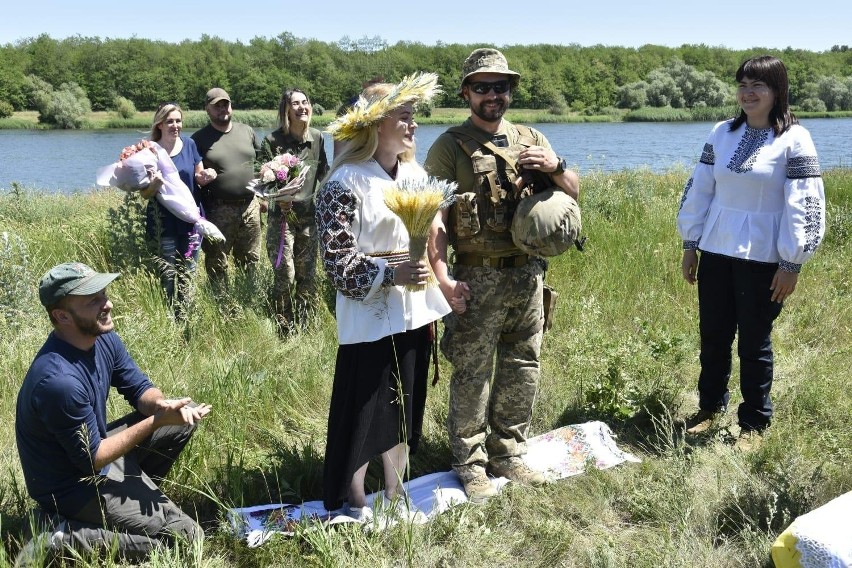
[492,114]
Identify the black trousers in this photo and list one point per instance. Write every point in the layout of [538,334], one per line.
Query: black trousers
[734,300]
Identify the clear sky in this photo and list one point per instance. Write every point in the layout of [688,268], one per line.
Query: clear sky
[814,25]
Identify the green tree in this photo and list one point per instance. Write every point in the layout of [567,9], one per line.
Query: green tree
[832,91]
[633,96]
[13,78]
[65,107]
[124,107]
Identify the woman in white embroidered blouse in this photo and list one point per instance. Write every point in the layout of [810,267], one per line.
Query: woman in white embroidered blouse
[755,208]
[379,390]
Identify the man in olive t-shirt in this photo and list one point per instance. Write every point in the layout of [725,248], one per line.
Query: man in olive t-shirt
[231,149]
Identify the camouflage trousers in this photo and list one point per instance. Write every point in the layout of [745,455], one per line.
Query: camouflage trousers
[241,226]
[293,296]
[494,348]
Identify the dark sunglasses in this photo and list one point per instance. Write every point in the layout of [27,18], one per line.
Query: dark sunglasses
[484,87]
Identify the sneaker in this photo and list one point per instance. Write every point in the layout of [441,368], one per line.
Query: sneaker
[515,469]
[476,484]
[361,514]
[701,421]
[748,440]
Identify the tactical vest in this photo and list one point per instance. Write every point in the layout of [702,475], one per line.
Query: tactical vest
[481,219]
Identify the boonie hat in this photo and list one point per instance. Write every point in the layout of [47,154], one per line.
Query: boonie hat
[215,95]
[546,223]
[71,278]
[487,60]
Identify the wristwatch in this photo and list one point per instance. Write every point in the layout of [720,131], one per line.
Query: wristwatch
[561,166]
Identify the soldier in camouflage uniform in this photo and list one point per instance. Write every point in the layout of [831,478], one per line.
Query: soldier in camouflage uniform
[294,261]
[231,149]
[493,336]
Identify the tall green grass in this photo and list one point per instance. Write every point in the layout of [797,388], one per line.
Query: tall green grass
[623,349]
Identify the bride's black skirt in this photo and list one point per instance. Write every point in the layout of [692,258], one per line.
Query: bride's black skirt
[365,418]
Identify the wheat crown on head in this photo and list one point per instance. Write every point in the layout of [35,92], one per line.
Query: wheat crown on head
[364,113]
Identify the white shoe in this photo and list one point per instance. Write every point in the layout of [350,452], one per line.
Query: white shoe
[361,514]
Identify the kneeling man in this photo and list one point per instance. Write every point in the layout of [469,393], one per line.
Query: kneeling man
[100,480]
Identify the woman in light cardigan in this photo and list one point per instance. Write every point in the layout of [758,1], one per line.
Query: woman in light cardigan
[379,390]
[755,208]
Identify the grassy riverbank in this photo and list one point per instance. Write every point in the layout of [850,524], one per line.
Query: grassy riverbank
[268,118]
[28,120]
[623,349]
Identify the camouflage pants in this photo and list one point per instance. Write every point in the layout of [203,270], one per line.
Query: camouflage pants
[294,289]
[241,226]
[494,349]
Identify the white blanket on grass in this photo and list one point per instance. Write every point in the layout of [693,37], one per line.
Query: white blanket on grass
[558,454]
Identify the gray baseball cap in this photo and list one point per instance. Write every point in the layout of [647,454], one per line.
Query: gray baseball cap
[215,95]
[487,60]
[71,278]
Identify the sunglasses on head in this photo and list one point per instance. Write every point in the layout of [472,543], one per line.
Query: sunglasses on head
[484,87]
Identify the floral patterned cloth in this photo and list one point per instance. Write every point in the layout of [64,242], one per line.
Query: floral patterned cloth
[560,453]
[819,539]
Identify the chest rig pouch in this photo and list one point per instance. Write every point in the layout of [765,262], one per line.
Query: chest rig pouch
[481,219]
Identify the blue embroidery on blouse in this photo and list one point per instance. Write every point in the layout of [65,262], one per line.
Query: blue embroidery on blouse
[813,221]
[750,144]
[685,191]
[708,156]
[803,167]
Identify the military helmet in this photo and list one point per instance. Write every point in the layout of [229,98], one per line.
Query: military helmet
[546,223]
[487,60]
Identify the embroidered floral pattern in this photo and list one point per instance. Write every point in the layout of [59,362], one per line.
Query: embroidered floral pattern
[750,144]
[803,167]
[387,280]
[685,191]
[350,271]
[708,156]
[789,266]
[813,222]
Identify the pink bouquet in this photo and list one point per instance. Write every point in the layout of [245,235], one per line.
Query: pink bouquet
[136,167]
[282,179]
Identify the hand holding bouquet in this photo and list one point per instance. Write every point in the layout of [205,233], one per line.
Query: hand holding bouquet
[281,182]
[282,179]
[134,171]
[416,201]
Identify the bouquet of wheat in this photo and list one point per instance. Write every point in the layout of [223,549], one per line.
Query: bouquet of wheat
[416,201]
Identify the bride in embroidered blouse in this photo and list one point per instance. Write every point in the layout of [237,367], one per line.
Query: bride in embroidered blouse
[379,391]
[755,208]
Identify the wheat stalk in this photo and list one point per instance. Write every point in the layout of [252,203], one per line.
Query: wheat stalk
[416,201]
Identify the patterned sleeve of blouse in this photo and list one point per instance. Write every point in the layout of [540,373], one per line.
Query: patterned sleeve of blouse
[350,271]
[803,223]
[697,196]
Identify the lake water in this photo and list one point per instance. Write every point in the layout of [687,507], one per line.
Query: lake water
[66,160]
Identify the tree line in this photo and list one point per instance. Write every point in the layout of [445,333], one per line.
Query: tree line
[582,79]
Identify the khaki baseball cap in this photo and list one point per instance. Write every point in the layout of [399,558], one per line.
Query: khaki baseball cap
[71,278]
[487,60]
[215,95]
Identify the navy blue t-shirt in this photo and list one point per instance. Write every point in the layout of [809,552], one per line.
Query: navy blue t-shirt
[61,415]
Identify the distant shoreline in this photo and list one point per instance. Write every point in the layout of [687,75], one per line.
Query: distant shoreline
[28,120]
